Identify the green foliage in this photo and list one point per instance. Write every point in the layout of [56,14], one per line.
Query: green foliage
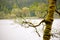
[39,9]
[36,9]
[24,8]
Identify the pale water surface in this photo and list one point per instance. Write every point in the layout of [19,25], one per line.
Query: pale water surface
[9,30]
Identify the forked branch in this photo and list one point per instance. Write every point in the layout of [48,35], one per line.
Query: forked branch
[31,24]
[34,26]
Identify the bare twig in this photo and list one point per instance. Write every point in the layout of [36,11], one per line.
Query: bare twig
[32,25]
[53,35]
[37,32]
[57,12]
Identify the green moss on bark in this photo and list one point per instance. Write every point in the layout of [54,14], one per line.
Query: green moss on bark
[49,19]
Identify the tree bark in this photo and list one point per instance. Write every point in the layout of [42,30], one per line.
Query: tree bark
[49,19]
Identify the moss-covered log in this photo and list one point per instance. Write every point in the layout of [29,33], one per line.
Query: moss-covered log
[49,19]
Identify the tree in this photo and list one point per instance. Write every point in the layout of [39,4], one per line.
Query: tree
[49,19]
[39,9]
[16,12]
[25,12]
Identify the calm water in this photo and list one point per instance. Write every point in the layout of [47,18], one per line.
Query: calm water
[9,30]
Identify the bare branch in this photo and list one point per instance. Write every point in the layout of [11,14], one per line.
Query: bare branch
[32,25]
[37,32]
[57,12]
[53,35]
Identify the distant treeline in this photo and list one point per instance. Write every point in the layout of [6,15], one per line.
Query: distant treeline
[24,8]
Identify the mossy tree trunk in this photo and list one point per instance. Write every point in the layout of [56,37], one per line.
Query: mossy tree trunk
[49,19]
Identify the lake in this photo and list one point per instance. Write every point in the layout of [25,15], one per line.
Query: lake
[9,30]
